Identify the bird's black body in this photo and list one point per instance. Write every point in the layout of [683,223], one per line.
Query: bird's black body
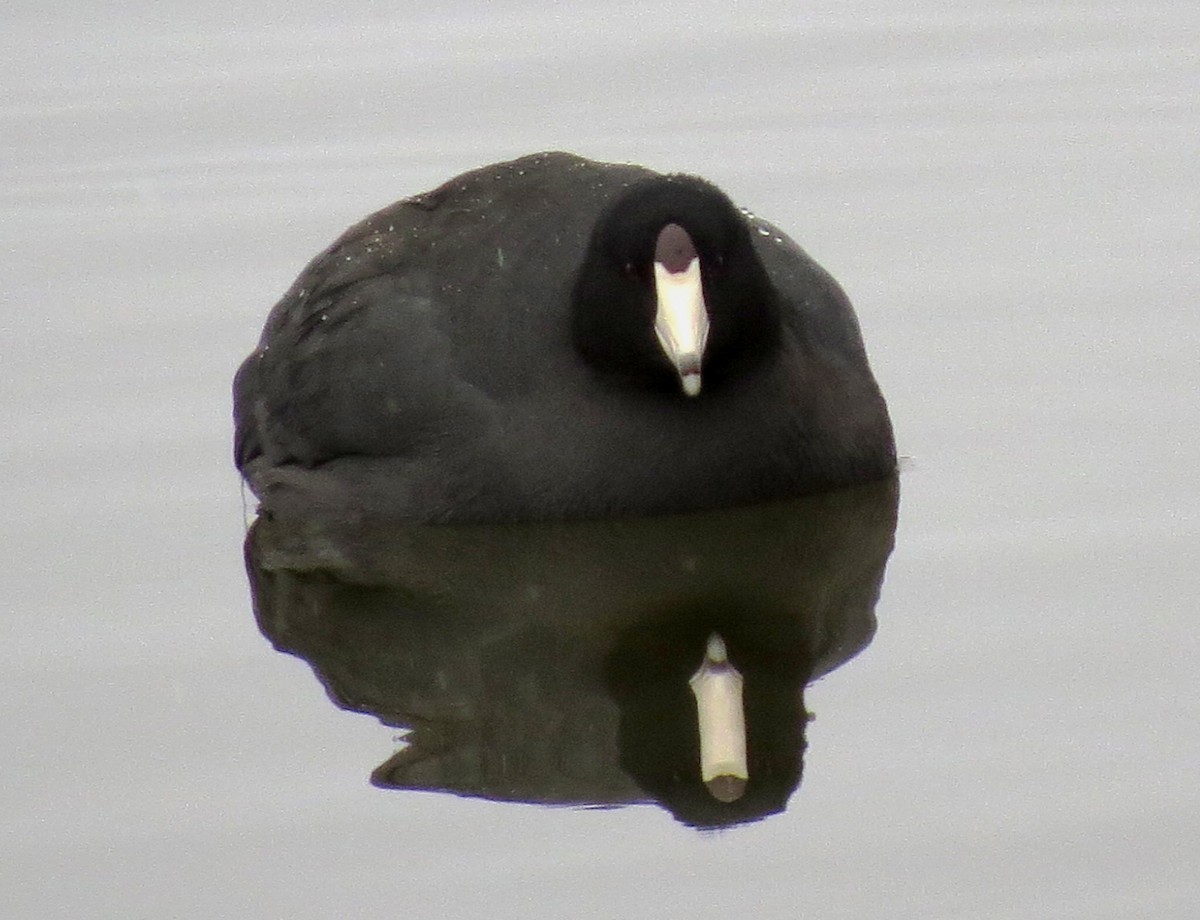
[486,352]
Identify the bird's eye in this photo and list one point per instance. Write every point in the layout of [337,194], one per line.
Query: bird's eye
[630,269]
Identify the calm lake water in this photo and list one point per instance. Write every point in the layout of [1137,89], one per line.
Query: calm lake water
[1007,192]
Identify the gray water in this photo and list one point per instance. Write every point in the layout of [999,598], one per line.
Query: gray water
[1008,192]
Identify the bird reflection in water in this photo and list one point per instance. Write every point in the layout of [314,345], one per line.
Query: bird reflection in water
[599,663]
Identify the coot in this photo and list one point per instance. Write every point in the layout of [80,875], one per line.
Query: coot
[558,338]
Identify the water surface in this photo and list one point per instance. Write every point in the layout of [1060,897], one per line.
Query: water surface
[1008,194]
